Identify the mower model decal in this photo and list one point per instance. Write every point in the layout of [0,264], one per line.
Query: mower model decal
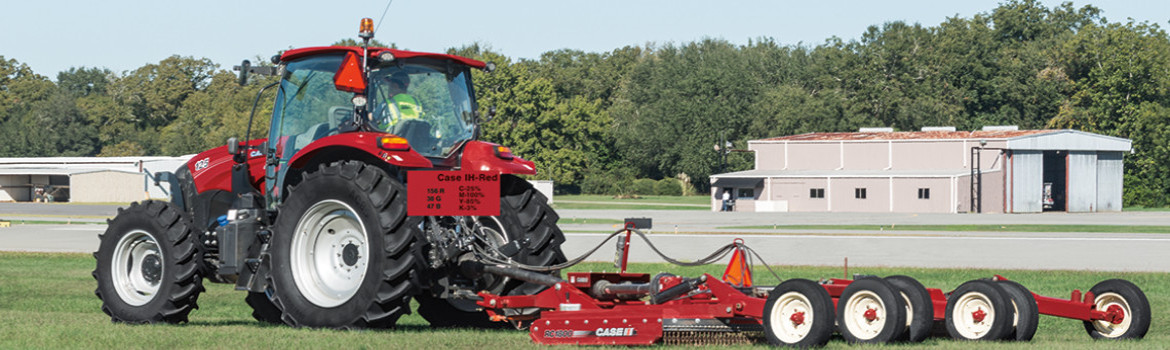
[566,333]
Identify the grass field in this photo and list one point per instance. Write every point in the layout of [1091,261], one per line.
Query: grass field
[971,228]
[47,301]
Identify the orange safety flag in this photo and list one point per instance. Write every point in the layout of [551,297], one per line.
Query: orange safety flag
[738,272]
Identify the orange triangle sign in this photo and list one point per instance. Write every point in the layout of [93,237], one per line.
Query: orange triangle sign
[738,272]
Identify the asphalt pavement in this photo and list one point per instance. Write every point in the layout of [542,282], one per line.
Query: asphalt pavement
[701,232]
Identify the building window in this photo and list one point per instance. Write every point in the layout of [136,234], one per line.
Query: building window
[859,193]
[816,193]
[923,193]
[746,193]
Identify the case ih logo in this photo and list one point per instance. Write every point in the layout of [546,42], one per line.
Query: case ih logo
[600,332]
[615,332]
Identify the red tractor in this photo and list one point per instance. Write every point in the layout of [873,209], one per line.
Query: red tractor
[313,220]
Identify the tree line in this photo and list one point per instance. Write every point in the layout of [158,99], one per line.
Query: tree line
[594,122]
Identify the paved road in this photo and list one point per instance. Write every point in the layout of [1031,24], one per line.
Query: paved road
[1078,251]
[1088,251]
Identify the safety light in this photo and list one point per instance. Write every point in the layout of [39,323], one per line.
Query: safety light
[359,100]
[504,153]
[393,143]
[367,28]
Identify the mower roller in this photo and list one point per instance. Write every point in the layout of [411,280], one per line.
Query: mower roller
[622,308]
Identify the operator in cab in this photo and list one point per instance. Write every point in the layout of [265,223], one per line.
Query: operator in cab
[400,105]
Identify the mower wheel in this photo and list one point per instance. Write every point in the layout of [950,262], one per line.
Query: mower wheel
[871,310]
[979,310]
[1027,312]
[525,217]
[798,313]
[343,252]
[1119,295]
[147,265]
[919,308]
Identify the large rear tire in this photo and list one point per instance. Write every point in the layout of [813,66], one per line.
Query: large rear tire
[525,217]
[344,253]
[147,265]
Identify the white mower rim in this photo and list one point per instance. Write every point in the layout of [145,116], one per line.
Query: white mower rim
[965,305]
[780,318]
[854,314]
[1108,329]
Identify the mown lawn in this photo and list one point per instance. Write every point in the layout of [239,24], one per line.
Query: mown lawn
[971,228]
[47,301]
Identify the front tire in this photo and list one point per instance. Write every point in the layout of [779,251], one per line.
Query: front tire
[525,217]
[148,266]
[344,253]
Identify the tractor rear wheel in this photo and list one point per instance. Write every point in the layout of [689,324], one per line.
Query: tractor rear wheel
[344,253]
[525,217]
[148,266]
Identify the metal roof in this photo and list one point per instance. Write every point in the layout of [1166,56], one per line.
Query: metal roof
[909,135]
[848,173]
[59,171]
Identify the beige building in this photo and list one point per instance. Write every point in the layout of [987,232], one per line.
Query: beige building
[84,179]
[930,171]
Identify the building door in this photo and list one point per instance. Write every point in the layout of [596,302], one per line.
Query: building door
[1055,181]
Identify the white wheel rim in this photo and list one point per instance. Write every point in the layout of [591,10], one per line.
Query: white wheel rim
[909,311]
[964,319]
[856,321]
[330,253]
[781,318]
[137,267]
[1106,328]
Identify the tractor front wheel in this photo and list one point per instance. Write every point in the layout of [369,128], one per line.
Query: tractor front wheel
[147,265]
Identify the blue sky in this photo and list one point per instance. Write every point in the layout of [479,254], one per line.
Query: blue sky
[51,36]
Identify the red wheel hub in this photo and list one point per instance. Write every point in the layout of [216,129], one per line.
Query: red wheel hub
[979,315]
[870,315]
[1115,314]
[797,318]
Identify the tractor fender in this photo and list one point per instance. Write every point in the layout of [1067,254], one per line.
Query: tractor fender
[362,142]
[482,156]
[212,169]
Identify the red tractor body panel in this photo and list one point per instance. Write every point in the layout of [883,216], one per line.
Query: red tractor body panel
[375,51]
[482,156]
[361,142]
[212,169]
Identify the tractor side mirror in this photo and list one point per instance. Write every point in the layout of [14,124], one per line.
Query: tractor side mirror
[233,146]
[244,67]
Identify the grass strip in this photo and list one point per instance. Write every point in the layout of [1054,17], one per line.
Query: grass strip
[970,228]
[47,302]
